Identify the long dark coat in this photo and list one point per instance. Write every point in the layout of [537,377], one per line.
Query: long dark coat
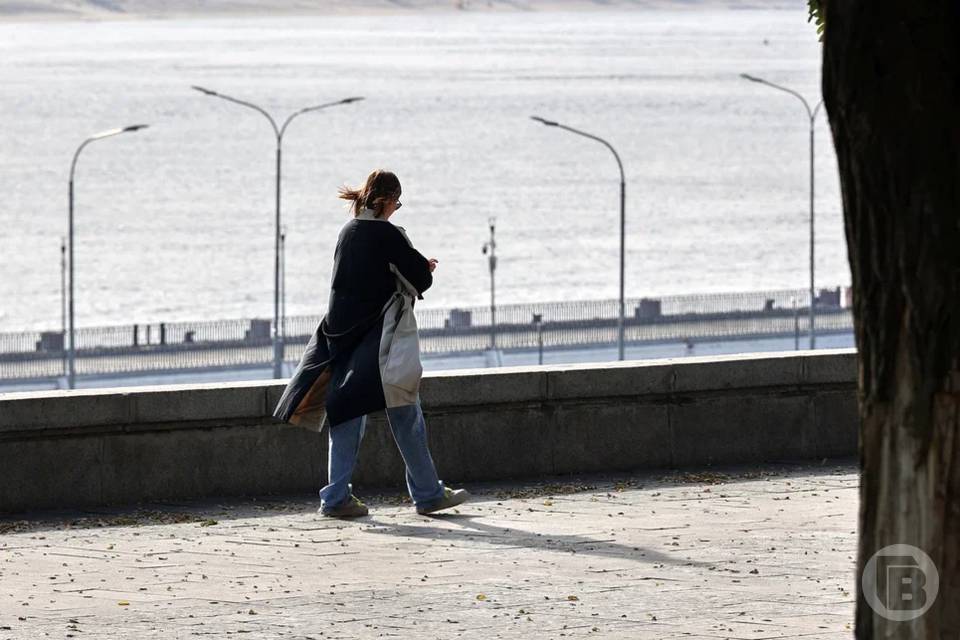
[364,355]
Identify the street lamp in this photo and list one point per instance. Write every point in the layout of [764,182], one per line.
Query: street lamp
[623,197]
[63,304]
[812,115]
[278,132]
[491,247]
[283,285]
[72,351]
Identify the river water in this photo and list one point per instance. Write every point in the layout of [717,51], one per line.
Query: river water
[176,222]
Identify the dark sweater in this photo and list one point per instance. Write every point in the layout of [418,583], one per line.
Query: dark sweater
[362,281]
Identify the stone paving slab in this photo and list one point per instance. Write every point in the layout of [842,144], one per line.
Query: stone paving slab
[759,553]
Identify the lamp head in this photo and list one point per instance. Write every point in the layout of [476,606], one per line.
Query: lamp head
[549,123]
[353,99]
[747,76]
[204,91]
[115,132]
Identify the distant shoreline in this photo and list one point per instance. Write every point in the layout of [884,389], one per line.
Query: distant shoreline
[13,11]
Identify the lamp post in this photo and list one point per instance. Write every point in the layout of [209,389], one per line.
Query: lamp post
[72,350]
[63,303]
[623,197]
[278,131]
[812,115]
[283,286]
[491,248]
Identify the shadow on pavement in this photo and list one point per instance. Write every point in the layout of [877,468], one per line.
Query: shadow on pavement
[471,529]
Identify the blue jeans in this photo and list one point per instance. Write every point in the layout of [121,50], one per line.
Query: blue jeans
[410,432]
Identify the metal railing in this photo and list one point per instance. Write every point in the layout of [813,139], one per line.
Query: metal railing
[239,344]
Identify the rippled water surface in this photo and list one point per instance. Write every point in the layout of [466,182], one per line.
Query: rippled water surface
[176,222]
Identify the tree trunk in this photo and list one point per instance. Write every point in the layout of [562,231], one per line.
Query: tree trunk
[891,85]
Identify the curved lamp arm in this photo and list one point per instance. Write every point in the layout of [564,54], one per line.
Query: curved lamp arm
[101,136]
[551,123]
[811,113]
[278,131]
[287,122]
[242,103]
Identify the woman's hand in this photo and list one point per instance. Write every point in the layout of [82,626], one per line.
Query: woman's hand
[433,264]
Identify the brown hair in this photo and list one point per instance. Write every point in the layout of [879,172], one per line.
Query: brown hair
[380,188]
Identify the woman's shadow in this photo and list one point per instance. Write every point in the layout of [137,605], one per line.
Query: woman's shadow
[471,528]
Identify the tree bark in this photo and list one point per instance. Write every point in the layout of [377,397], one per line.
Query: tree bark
[891,85]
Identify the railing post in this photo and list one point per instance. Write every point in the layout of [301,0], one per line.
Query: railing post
[538,322]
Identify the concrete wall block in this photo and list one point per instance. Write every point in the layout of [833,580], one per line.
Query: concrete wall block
[64,410]
[272,396]
[836,424]
[741,429]
[730,373]
[631,380]
[505,443]
[43,474]
[291,460]
[472,388]
[610,437]
[204,403]
[837,366]
[227,461]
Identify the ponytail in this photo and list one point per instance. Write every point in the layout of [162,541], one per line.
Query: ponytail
[346,193]
[381,186]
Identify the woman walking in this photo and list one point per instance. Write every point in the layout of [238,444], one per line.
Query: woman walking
[365,355]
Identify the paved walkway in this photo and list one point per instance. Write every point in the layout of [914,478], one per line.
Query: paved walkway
[758,553]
